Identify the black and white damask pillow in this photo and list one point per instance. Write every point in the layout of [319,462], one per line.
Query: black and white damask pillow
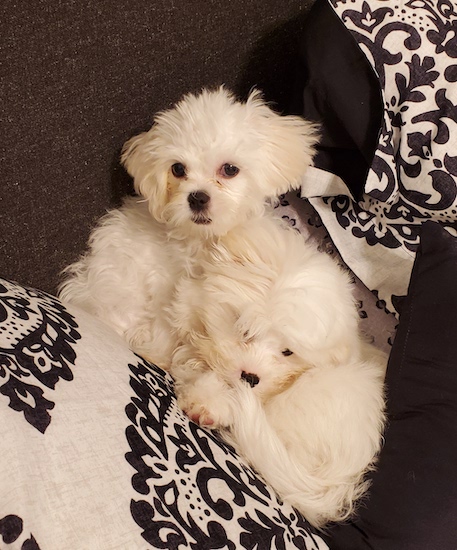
[412,177]
[37,353]
[96,454]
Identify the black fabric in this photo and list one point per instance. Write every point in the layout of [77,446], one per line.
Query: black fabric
[81,77]
[413,499]
[337,87]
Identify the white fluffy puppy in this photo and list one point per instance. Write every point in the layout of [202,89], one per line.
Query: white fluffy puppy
[271,350]
[205,167]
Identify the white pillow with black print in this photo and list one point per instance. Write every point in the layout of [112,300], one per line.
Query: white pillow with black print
[411,47]
[96,455]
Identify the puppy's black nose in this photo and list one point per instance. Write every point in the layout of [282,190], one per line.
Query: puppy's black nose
[251,379]
[198,201]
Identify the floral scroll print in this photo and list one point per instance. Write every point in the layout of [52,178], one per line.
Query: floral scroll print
[37,336]
[11,531]
[192,489]
[412,46]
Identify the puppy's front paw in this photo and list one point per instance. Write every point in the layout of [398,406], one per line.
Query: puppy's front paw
[200,415]
[210,413]
[207,401]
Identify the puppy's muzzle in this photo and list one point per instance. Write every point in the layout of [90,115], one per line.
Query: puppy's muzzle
[198,201]
[251,379]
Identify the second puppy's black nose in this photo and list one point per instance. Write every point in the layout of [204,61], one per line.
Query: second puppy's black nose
[251,379]
[198,201]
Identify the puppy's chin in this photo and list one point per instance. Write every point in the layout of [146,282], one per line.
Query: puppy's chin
[202,219]
[215,221]
[199,227]
[202,225]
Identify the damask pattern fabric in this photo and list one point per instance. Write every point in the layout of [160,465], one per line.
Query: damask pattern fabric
[96,455]
[44,355]
[375,321]
[412,178]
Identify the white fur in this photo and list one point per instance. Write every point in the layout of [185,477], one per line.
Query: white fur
[312,425]
[138,252]
[225,289]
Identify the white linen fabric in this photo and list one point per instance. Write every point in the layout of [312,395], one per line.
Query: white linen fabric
[95,454]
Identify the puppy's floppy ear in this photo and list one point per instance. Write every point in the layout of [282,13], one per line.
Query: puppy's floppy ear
[140,158]
[288,145]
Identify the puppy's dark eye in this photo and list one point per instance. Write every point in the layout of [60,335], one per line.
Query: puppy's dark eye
[178,170]
[286,352]
[229,170]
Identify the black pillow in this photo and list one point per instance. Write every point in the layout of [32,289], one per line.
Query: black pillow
[412,503]
[337,87]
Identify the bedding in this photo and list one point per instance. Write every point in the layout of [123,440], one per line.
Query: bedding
[412,503]
[95,453]
[384,92]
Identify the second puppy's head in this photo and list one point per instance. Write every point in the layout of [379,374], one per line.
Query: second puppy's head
[211,161]
[265,309]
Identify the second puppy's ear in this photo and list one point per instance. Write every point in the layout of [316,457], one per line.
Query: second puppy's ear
[149,175]
[288,145]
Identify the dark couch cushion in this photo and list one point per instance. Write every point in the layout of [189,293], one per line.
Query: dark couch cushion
[413,499]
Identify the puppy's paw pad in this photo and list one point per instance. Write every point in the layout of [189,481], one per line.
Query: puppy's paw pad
[206,402]
[203,418]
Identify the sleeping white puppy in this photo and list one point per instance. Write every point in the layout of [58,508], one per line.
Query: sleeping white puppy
[271,354]
[206,166]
